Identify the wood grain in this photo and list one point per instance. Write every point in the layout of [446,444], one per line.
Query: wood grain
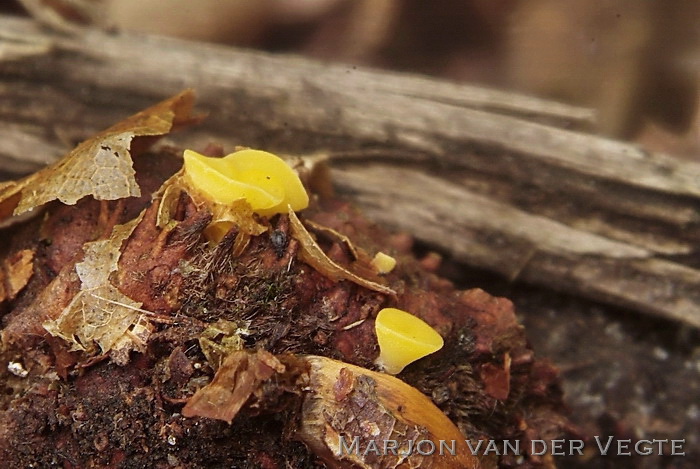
[504,182]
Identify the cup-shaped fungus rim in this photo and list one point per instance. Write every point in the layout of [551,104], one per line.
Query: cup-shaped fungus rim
[264,180]
[403,338]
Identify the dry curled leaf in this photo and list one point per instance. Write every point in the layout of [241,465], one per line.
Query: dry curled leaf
[238,377]
[311,253]
[101,166]
[335,235]
[15,272]
[100,314]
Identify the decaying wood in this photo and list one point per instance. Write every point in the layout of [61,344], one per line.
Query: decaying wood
[498,180]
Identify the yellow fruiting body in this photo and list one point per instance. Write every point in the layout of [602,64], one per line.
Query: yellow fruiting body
[403,338]
[264,180]
[384,263]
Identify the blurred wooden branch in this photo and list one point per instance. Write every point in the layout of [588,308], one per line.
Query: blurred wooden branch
[498,180]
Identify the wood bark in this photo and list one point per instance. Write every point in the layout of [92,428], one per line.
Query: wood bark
[503,182]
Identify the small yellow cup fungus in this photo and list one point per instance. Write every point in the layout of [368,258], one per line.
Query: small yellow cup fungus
[403,338]
[384,263]
[264,180]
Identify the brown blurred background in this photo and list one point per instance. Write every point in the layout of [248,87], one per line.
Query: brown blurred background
[635,62]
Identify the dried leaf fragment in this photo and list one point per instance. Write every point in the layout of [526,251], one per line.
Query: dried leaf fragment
[238,377]
[100,166]
[15,272]
[102,256]
[219,340]
[100,314]
[311,253]
[333,234]
[496,378]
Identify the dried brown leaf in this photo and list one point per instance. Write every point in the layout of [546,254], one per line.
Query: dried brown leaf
[311,253]
[15,272]
[101,166]
[496,378]
[100,314]
[238,377]
[335,235]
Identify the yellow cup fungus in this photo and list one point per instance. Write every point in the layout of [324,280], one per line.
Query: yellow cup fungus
[403,338]
[264,180]
[384,263]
